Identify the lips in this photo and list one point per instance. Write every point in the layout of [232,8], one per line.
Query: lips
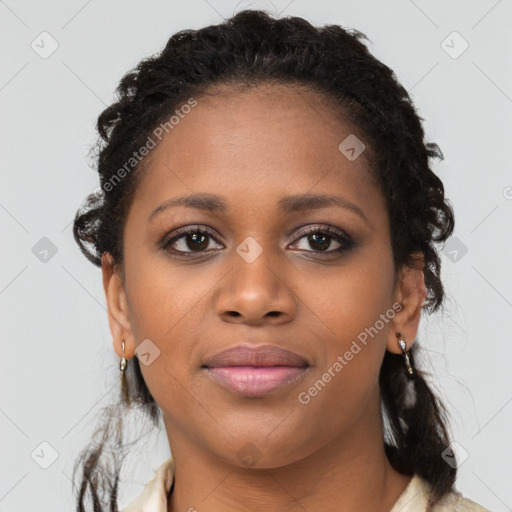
[255,371]
[265,355]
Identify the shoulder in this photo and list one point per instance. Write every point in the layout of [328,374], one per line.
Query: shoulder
[454,501]
[154,495]
[414,498]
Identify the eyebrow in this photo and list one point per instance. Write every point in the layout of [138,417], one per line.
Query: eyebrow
[288,204]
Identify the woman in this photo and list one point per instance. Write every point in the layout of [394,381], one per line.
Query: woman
[265,229]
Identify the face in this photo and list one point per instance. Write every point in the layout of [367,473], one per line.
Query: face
[259,266]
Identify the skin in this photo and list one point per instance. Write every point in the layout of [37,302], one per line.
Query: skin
[254,147]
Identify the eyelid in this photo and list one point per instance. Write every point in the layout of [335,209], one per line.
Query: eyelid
[190,228]
[302,230]
[346,241]
[308,228]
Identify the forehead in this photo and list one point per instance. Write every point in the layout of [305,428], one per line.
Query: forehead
[269,140]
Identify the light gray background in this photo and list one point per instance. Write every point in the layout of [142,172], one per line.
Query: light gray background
[58,367]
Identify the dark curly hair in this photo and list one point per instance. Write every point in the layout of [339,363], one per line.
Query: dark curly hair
[252,48]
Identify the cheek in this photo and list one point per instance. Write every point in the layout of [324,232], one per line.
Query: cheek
[167,307]
[351,298]
[163,298]
[351,316]
[346,377]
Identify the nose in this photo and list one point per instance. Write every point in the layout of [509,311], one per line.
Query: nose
[256,292]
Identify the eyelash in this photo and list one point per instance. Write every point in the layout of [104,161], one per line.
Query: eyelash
[339,236]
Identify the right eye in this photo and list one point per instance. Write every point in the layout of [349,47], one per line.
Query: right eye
[189,240]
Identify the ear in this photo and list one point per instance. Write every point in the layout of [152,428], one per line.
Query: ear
[410,291]
[117,307]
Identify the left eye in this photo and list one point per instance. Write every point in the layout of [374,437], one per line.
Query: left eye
[321,239]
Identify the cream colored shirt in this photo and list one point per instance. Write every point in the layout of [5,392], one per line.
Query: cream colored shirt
[153,498]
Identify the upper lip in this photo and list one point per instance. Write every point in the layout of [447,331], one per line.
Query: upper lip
[263,355]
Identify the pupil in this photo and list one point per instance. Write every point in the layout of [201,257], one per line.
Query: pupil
[197,237]
[323,238]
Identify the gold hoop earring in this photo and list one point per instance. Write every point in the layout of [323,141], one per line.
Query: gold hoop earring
[402,343]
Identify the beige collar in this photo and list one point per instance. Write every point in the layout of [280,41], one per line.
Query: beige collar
[413,499]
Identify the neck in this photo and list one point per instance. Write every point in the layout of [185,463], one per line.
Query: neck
[350,472]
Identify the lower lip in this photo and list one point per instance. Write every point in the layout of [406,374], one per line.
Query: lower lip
[255,380]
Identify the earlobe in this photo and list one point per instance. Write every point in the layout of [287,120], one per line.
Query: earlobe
[410,293]
[117,307]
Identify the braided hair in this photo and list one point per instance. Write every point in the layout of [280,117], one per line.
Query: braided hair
[249,48]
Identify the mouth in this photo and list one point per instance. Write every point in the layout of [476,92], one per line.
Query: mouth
[255,371]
